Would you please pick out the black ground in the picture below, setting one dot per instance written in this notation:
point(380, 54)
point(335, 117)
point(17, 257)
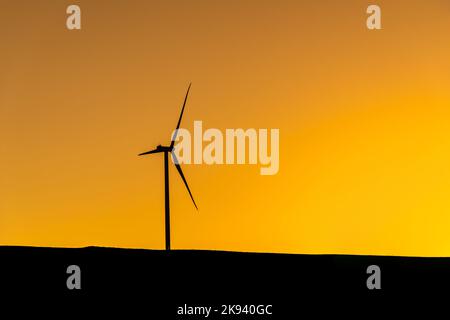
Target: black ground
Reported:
point(158, 282)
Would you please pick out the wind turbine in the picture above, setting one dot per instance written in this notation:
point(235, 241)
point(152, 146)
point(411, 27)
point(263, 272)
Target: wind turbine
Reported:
point(166, 150)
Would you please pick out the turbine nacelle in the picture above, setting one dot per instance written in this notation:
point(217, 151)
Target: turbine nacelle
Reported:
point(158, 149)
point(164, 148)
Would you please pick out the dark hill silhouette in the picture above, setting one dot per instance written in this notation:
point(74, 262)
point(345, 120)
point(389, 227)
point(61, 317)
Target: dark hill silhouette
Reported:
point(167, 279)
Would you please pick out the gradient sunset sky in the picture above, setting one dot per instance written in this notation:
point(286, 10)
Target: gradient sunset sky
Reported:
point(364, 119)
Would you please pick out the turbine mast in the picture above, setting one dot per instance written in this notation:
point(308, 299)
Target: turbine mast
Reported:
point(166, 183)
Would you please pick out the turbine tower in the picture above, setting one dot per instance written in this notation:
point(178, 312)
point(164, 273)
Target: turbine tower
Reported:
point(166, 150)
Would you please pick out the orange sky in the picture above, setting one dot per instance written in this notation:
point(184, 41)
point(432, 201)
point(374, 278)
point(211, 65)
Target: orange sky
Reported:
point(363, 116)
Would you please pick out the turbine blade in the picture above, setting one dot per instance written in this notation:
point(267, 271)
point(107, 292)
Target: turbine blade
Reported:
point(179, 120)
point(177, 165)
point(149, 152)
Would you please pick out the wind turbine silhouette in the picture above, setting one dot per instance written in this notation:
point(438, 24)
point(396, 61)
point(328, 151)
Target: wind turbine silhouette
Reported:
point(166, 151)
